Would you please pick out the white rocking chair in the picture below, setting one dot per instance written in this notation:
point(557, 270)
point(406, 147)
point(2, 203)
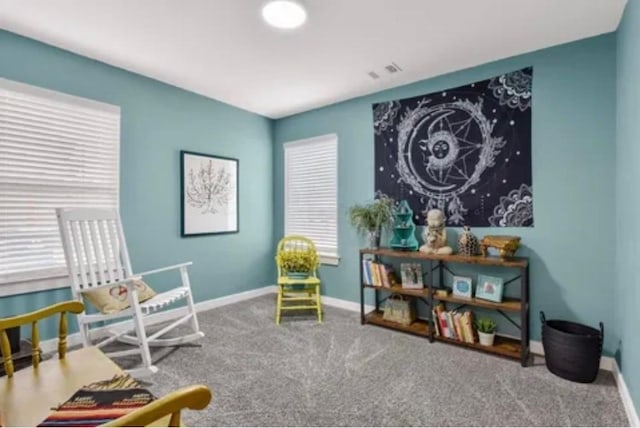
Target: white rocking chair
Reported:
point(96, 255)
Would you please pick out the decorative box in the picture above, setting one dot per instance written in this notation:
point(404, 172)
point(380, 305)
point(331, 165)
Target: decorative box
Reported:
point(506, 245)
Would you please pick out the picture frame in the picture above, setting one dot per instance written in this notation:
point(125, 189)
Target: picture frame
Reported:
point(489, 288)
point(411, 275)
point(462, 287)
point(209, 197)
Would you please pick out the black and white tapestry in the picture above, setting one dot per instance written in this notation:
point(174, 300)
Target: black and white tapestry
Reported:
point(466, 151)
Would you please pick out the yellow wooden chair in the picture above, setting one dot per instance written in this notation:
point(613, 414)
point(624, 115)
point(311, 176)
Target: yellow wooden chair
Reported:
point(304, 293)
point(28, 395)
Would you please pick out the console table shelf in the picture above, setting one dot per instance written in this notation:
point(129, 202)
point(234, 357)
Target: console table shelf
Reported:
point(508, 304)
point(515, 262)
point(418, 327)
point(516, 348)
point(504, 346)
point(416, 292)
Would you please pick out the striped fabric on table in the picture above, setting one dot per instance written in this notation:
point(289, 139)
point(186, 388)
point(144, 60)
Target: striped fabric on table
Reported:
point(99, 403)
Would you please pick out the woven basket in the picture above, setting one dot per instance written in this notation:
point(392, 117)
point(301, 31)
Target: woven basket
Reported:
point(571, 350)
point(400, 310)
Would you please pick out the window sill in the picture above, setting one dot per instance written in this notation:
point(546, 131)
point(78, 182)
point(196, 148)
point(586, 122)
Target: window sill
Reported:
point(33, 285)
point(331, 260)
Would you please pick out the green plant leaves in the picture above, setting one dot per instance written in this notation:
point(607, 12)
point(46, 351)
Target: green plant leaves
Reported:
point(300, 260)
point(374, 216)
point(486, 325)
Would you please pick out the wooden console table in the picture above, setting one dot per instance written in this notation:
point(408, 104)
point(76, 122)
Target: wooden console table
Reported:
point(504, 346)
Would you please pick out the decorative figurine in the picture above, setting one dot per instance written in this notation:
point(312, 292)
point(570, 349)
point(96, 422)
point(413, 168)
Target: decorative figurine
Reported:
point(468, 244)
point(506, 245)
point(435, 234)
point(404, 231)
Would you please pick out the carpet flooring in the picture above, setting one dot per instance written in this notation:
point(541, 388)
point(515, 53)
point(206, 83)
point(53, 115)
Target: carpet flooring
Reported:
point(341, 373)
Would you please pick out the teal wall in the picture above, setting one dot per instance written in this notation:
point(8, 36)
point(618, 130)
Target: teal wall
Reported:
point(571, 246)
point(627, 198)
point(158, 121)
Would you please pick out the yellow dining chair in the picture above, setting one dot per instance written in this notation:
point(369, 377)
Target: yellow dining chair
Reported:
point(302, 289)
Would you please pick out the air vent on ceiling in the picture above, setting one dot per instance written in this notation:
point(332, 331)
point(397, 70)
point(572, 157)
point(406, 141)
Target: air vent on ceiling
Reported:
point(392, 68)
point(373, 75)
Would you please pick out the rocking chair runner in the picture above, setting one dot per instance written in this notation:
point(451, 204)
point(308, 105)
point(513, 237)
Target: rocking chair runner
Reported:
point(96, 255)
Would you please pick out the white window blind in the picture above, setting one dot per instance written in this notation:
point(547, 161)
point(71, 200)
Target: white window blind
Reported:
point(311, 191)
point(56, 150)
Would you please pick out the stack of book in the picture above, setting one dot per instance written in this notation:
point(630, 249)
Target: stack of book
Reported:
point(377, 274)
point(453, 324)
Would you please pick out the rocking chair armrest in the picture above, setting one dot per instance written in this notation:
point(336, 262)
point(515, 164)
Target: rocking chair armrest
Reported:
point(164, 269)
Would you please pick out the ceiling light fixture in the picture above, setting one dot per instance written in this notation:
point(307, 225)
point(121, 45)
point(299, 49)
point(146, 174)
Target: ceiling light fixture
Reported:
point(284, 14)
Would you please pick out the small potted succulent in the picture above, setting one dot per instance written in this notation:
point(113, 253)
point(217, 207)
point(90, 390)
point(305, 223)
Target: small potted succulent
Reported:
point(370, 219)
point(298, 264)
point(486, 331)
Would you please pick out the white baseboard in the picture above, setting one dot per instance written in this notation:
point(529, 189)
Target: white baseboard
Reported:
point(625, 396)
point(345, 304)
point(74, 339)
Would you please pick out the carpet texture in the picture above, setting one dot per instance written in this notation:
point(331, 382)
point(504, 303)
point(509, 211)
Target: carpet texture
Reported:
point(341, 373)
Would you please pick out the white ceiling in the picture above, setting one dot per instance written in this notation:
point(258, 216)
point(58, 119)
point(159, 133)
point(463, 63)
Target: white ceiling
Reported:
point(223, 50)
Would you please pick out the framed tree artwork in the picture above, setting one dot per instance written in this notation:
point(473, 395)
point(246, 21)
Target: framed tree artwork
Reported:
point(209, 194)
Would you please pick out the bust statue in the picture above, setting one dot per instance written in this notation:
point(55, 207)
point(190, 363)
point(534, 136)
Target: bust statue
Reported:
point(435, 234)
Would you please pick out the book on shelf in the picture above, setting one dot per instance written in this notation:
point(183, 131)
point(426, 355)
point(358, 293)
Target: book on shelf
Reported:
point(436, 322)
point(368, 275)
point(366, 278)
point(391, 276)
point(377, 274)
point(458, 326)
point(384, 275)
point(453, 324)
point(467, 327)
point(411, 274)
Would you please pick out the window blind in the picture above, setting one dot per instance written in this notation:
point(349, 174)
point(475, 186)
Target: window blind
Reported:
point(311, 193)
point(56, 150)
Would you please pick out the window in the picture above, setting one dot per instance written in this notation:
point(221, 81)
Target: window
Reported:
point(56, 151)
point(311, 193)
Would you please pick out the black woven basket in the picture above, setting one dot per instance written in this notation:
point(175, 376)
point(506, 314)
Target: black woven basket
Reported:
point(571, 350)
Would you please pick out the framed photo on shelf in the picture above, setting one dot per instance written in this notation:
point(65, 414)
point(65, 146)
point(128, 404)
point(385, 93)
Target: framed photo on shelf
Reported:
point(462, 287)
point(489, 288)
point(411, 275)
point(209, 198)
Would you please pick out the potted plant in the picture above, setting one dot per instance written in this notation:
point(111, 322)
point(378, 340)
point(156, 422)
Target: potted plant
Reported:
point(486, 331)
point(298, 264)
point(370, 219)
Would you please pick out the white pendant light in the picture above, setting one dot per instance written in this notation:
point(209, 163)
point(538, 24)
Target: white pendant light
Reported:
point(284, 14)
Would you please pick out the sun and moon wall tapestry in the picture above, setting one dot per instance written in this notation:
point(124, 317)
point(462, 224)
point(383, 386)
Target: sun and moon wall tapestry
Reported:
point(466, 151)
